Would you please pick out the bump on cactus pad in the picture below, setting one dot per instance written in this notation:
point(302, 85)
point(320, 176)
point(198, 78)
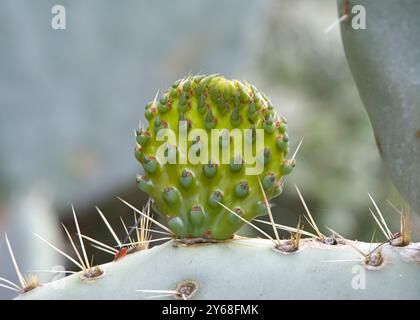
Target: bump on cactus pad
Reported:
point(187, 193)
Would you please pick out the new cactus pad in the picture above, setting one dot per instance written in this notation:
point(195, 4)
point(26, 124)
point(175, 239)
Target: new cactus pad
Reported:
point(242, 131)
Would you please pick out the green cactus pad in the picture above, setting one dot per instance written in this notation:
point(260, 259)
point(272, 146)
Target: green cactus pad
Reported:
point(186, 191)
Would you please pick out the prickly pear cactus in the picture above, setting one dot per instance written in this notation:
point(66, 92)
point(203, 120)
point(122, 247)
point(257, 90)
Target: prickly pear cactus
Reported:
point(207, 202)
point(223, 135)
point(316, 271)
point(384, 61)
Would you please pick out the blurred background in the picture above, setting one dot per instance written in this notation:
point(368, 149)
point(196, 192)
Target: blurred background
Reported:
point(70, 99)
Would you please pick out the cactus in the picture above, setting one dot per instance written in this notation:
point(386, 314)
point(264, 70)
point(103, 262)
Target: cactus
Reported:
point(186, 193)
point(205, 204)
point(222, 271)
point(385, 66)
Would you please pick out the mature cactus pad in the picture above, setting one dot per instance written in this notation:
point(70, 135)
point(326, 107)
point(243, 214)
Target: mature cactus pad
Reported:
point(225, 136)
point(384, 61)
point(315, 271)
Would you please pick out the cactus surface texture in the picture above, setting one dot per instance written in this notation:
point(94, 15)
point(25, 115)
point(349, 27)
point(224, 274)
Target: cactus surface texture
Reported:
point(222, 271)
point(235, 116)
point(384, 61)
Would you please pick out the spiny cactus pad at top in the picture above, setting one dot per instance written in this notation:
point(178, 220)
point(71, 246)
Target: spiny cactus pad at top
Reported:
point(209, 141)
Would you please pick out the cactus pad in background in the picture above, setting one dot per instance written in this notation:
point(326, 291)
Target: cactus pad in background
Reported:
point(187, 193)
point(384, 61)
